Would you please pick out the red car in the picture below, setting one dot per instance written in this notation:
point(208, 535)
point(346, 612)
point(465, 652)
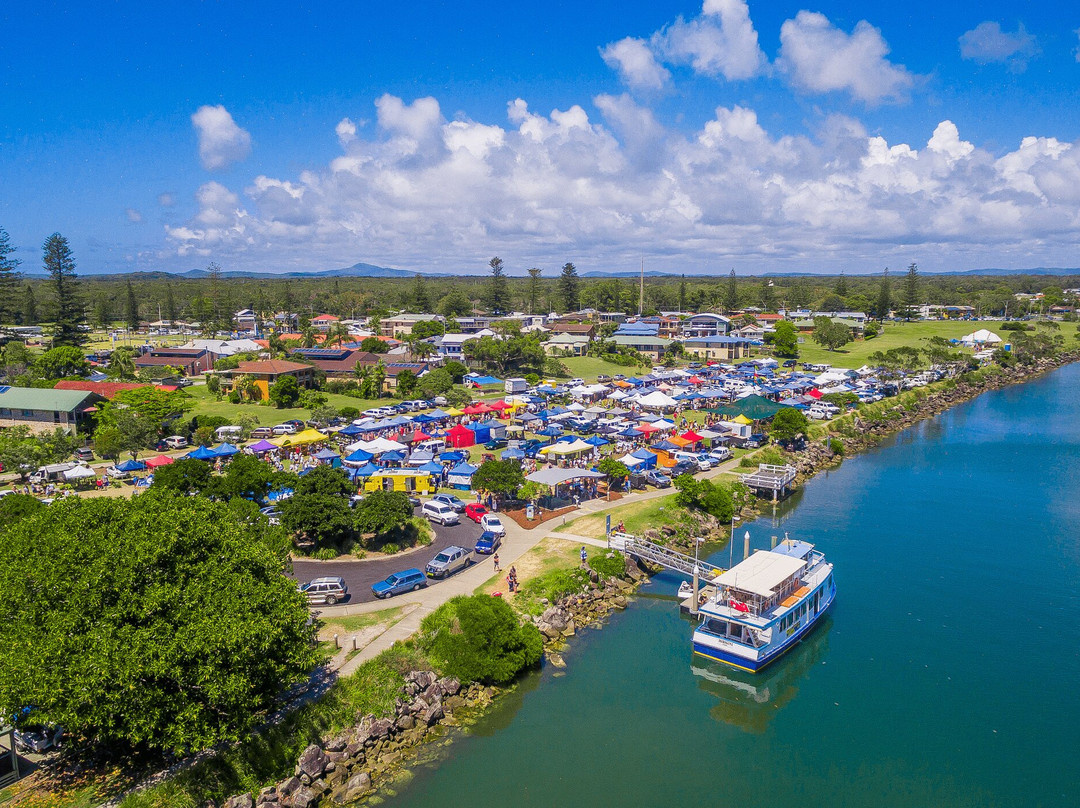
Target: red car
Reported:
point(474, 510)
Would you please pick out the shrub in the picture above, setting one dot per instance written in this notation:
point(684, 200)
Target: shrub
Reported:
point(390, 548)
point(326, 554)
point(478, 639)
point(609, 565)
point(555, 584)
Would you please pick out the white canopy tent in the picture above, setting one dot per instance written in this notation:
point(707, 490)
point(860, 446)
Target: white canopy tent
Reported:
point(980, 337)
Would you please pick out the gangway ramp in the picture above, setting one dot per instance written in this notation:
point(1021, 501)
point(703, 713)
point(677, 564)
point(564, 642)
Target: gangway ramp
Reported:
point(662, 556)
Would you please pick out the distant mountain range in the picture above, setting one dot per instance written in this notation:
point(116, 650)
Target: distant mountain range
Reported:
point(362, 270)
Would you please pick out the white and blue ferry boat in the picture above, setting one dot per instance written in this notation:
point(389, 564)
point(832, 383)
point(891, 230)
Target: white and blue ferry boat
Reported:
point(764, 605)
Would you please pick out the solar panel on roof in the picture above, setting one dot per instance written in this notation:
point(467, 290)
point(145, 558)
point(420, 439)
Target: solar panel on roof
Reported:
point(323, 353)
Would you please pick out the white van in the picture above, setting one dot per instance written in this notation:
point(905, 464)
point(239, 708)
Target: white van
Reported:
point(229, 433)
point(433, 445)
point(822, 411)
point(438, 512)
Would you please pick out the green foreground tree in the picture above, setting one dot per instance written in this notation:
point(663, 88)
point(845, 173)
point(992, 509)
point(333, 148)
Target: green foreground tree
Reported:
point(160, 622)
point(501, 477)
point(68, 314)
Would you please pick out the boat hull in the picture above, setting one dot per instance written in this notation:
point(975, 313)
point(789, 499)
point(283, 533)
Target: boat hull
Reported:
point(752, 665)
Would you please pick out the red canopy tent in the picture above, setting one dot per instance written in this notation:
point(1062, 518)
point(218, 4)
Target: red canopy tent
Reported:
point(696, 380)
point(413, 437)
point(160, 460)
point(500, 405)
point(474, 409)
point(815, 393)
point(692, 436)
point(647, 429)
point(459, 437)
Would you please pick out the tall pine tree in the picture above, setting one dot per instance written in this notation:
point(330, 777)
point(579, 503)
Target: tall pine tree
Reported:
point(170, 304)
point(534, 289)
point(421, 301)
point(911, 291)
point(569, 287)
point(68, 314)
point(884, 296)
point(131, 309)
point(731, 294)
point(29, 312)
point(9, 279)
point(497, 297)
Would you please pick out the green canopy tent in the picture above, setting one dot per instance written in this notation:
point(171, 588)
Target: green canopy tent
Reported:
point(755, 407)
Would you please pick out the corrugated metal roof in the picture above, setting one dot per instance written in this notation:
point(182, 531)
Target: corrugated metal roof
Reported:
point(38, 398)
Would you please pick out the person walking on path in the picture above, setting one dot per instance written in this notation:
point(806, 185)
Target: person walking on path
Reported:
point(495, 558)
point(584, 555)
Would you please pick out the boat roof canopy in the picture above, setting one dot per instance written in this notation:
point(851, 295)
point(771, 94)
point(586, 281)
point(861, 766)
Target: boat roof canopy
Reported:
point(761, 573)
point(794, 548)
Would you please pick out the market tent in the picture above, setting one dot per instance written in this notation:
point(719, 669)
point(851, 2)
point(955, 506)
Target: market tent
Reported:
point(982, 336)
point(266, 446)
point(452, 457)
point(754, 407)
point(649, 458)
point(420, 457)
point(349, 431)
point(475, 409)
point(160, 460)
point(596, 440)
point(481, 432)
point(633, 462)
point(513, 453)
point(415, 436)
point(80, 473)
point(576, 447)
point(460, 436)
point(393, 457)
point(202, 453)
point(454, 412)
point(431, 467)
point(691, 436)
point(741, 419)
point(460, 476)
point(556, 476)
point(367, 471)
point(359, 456)
point(226, 450)
point(326, 454)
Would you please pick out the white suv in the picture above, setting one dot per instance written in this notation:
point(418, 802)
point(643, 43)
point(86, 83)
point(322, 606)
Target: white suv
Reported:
point(440, 512)
point(176, 442)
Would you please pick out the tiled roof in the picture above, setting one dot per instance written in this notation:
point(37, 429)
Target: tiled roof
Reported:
point(106, 389)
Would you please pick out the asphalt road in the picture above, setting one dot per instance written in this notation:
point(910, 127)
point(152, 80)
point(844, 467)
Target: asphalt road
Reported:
point(360, 575)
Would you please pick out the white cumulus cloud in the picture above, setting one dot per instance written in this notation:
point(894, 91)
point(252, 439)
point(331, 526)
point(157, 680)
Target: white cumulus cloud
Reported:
point(133, 215)
point(721, 41)
point(604, 187)
point(346, 131)
point(221, 141)
point(987, 43)
point(821, 58)
point(635, 63)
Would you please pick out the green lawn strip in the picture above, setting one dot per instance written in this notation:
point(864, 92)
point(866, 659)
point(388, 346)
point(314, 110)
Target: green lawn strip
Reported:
point(589, 367)
point(352, 623)
point(893, 335)
point(637, 516)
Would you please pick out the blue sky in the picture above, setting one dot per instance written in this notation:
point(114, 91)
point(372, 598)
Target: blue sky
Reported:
point(761, 136)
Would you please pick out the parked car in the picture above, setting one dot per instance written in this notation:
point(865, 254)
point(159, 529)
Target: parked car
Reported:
point(406, 581)
point(176, 442)
point(619, 377)
point(657, 478)
point(295, 423)
point(638, 480)
point(720, 453)
point(491, 522)
point(488, 543)
point(116, 473)
point(603, 378)
point(37, 738)
point(329, 590)
point(495, 443)
point(532, 446)
point(706, 461)
point(272, 513)
point(448, 561)
point(84, 454)
point(474, 510)
point(693, 459)
point(262, 432)
point(683, 467)
point(440, 512)
point(451, 500)
point(284, 429)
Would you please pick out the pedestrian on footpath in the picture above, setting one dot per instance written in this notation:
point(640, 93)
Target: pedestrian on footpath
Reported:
point(495, 558)
point(584, 555)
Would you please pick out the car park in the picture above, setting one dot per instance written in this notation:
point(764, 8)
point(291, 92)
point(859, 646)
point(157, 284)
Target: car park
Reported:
point(328, 591)
point(447, 562)
point(176, 442)
point(440, 512)
point(657, 478)
point(475, 511)
point(284, 429)
point(491, 522)
point(410, 580)
point(488, 543)
point(451, 500)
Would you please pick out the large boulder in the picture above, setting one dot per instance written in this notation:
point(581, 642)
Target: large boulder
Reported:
point(313, 762)
point(304, 797)
point(450, 686)
point(358, 785)
point(240, 801)
point(381, 728)
point(433, 714)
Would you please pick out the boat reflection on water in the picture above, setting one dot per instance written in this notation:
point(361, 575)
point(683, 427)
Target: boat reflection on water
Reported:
point(750, 700)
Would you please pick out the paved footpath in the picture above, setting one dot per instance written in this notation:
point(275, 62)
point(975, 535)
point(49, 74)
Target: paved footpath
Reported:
point(517, 542)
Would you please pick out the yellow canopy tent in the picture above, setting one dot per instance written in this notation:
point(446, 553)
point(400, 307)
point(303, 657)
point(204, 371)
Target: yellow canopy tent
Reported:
point(741, 419)
point(454, 411)
point(300, 438)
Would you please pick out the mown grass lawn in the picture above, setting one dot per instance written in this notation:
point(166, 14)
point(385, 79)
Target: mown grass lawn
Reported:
point(637, 516)
point(589, 367)
point(893, 335)
point(268, 415)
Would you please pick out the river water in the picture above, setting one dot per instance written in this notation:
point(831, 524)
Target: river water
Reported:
point(947, 674)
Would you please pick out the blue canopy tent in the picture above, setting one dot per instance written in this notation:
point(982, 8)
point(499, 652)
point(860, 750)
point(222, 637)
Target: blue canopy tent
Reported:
point(438, 415)
point(452, 457)
point(329, 456)
point(513, 453)
point(482, 432)
point(552, 431)
point(647, 456)
point(431, 468)
point(226, 450)
point(631, 433)
point(393, 457)
point(359, 456)
point(460, 476)
point(132, 465)
point(423, 418)
point(202, 453)
point(596, 440)
point(350, 430)
point(367, 471)
point(667, 446)
point(482, 380)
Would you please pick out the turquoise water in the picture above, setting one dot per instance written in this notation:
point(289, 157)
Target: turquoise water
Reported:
point(948, 672)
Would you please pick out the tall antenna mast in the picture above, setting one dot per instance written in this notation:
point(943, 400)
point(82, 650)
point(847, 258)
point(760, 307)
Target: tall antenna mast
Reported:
point(641, 290)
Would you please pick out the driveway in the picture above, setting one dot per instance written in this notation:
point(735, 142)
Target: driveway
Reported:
point(360, 575)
